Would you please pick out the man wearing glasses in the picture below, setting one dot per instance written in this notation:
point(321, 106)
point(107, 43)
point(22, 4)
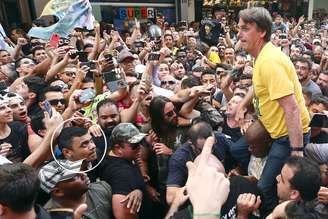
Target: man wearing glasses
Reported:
point(168, 82)
point(68, 75)
point(55, 97)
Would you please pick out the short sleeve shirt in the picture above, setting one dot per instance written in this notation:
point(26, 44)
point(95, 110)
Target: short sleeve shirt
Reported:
point(122, 175)
point(274, 77)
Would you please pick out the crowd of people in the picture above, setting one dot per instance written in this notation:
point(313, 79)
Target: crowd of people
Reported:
point(167, 120)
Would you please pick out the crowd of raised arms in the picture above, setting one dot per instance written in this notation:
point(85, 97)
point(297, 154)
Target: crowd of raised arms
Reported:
point(227, 118)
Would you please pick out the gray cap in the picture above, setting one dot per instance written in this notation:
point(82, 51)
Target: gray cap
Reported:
point(126, 133)
point(52, 173)
point(124, 54)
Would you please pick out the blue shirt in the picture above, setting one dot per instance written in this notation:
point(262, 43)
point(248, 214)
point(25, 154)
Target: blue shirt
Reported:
point(178, 172)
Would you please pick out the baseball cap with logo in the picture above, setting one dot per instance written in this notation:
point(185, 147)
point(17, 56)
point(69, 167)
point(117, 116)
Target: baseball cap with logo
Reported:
point(127, 133)
point(52, 173)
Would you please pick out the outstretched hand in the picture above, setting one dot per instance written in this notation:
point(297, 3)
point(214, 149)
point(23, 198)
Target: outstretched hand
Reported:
point(204, 181)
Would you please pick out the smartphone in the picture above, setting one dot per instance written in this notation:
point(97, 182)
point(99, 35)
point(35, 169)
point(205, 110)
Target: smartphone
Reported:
point(54, 40)
point(3, 85)
point(61, 213)
point(109, 28)
point(48, 108)
point(87, 95)
point(153, 57)
point(119, 48)
point(139, 44)
point(73, 55)
point(92, 66)
point(83, 57)
point(319, 120)
point(114, 79)
point(282, 36)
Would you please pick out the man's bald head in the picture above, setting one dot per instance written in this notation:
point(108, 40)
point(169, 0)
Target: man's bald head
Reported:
point(258, 139)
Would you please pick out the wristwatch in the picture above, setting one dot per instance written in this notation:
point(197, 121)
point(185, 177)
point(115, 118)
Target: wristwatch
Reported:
point(297, 148)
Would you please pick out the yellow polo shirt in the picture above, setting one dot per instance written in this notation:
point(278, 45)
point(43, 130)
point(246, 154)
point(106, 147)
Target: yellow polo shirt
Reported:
point(274, 77)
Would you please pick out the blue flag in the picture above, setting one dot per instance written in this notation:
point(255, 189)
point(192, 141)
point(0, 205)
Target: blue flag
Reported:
point(78, 14)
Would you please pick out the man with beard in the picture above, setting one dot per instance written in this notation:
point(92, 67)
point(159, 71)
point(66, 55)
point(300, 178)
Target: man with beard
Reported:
point(69, 188)
point(303, 70)
point(165, 138)
point(109, 116)
point(322, 81)
point(178, 70)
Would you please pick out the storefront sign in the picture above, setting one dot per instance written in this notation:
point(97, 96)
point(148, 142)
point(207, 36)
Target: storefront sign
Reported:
point(139, 13)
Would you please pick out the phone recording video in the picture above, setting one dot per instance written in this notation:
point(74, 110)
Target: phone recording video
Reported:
point(48, 108)
point(153, 56)
point(114, 79)
point(87, 95)
point(282, 36)
point(83, 57)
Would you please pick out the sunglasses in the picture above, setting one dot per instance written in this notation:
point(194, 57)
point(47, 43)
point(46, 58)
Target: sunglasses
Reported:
point(170, 114)
point(55, 102)
point(168, 82)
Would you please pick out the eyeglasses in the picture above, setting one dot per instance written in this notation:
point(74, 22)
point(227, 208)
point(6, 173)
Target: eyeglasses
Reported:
point(168, 82)
point(55, 102)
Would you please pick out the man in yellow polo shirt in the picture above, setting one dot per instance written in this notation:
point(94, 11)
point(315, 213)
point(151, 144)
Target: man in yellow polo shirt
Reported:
point(277, 98)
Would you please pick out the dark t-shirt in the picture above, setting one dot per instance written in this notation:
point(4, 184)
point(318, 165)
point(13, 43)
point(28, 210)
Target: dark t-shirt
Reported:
point(18, 138)
point(234, 133)
point(238, 185)
point(41, 213)
point(34, 109)
point(178, 172)
point(100, 142)
point(122, 175)
point(320, 139)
